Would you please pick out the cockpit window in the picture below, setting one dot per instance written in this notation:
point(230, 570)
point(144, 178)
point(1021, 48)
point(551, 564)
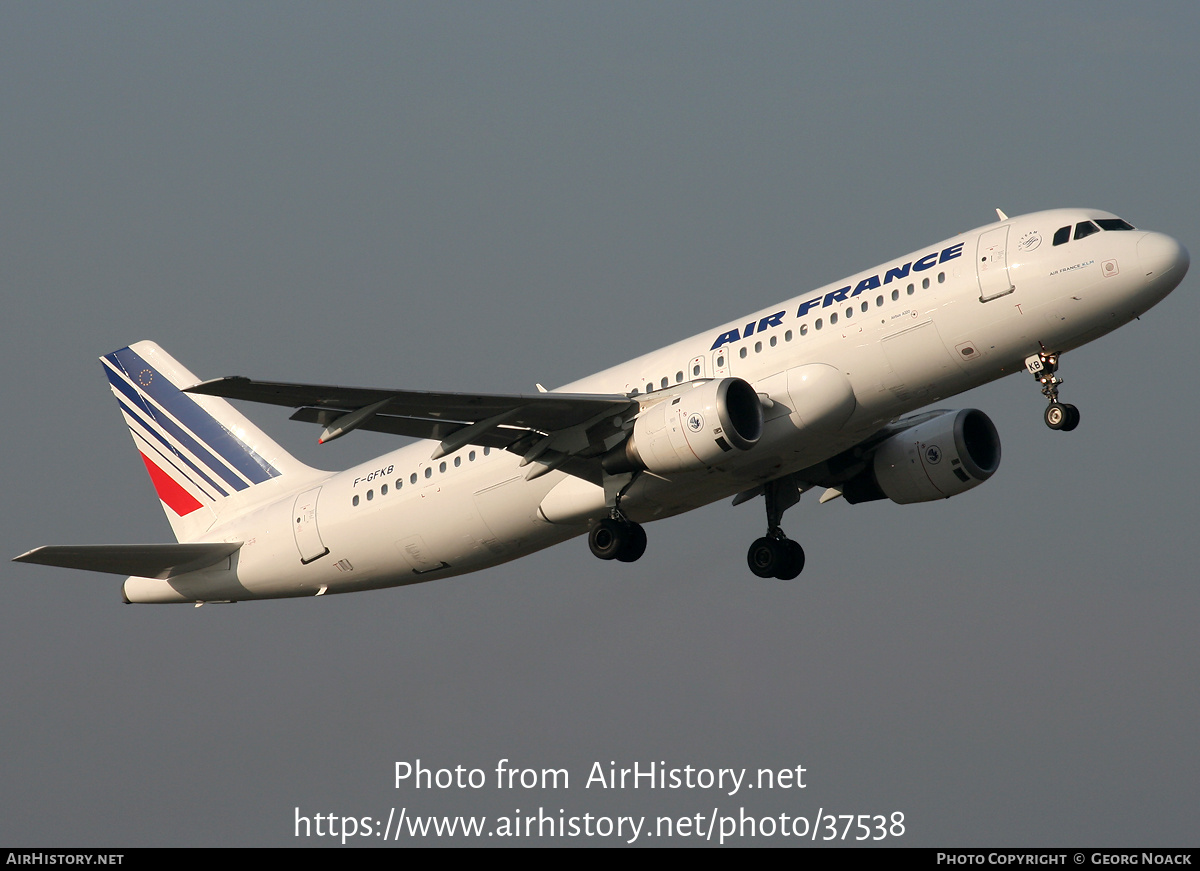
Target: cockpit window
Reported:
point(1084, 229)
point(1113, 224)
point(1062, 235)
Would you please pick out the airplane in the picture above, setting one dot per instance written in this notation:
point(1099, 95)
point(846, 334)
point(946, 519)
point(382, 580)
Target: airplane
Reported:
point(822, 391)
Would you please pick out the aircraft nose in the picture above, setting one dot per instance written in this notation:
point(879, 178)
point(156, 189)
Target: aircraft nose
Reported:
point(1159, 255)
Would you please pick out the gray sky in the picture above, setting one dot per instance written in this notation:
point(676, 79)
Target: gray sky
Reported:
point(482, 196)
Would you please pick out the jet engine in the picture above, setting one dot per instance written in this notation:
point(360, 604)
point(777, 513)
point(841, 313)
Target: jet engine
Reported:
point(693, 430)
point(937, 459)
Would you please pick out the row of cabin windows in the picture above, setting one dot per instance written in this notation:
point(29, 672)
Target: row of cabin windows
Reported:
point(412, 479)
point(1086, 228)
point(743, 352)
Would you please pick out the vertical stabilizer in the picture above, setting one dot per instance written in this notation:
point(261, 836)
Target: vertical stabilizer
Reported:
point(204, 458)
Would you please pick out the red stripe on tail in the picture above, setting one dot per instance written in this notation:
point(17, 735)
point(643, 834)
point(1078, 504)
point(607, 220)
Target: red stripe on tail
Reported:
point(173, 496)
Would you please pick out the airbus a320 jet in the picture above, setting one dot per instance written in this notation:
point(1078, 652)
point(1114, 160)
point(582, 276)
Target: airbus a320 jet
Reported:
point(821, 392)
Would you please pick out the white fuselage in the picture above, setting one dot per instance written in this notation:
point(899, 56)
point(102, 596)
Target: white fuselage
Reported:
point(948, 317)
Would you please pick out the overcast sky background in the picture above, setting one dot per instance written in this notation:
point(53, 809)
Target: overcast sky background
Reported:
point(478, 197)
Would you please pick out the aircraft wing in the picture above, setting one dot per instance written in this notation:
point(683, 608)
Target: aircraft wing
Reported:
point(550, 428)
point(160, 561)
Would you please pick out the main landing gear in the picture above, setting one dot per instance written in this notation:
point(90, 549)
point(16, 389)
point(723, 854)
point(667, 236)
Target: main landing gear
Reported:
point(775, 555)
point(617, 538)
point(1059, 415)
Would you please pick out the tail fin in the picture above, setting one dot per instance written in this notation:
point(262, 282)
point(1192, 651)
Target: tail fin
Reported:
point(203, 456)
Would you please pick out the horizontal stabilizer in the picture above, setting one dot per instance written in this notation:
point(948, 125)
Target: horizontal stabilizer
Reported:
point(159, 561)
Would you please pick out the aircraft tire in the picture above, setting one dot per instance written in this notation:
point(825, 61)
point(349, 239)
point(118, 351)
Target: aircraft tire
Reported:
point(1072, 418)
point(607, 538)
point(635, 543)
point(1057, 416)
point(794, 564)
point(765, 557)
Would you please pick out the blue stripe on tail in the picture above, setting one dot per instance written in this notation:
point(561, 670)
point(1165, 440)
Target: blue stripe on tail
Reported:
point(204, 435)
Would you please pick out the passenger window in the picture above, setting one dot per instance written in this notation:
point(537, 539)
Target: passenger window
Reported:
point(457, 462)
point(429, 471)
point(758, 347)
point(787, 337)
point(924, 285)
point(866, 305)
point(399, 483)
point(678, 377)
point(1084, 229)
point(1062, 235)
point(804, 329)
point(774, 341)
point(695, 371)
point(895, 295)
point(818, 324)
point(665, 382)
point(370, 495)
point(833, 319)
point(412, 479)
point(879, 300)
point(941, 278)
point(356, 501)
point(471, 457)
point(383, 490)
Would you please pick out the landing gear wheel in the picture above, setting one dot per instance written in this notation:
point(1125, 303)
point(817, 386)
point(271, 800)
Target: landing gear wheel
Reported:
point(779, 558)
point(795, 561)
point(635, 544)
point(765, 557)
point(1057, 416)
point(1072, 418)
point(616, 539)
point(607, 538)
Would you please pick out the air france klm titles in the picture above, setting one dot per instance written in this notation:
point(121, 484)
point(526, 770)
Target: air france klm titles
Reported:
point(871, 282)
point(656, 775)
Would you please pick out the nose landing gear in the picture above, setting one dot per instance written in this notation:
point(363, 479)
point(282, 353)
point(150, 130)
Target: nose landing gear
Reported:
point(1059, 415)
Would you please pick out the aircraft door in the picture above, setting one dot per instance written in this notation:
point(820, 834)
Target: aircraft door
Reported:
point(308, 537)
point(721, 362)
point(992, 262)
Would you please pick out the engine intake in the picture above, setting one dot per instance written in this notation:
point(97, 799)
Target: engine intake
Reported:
point(692, 431)
point(945, 456)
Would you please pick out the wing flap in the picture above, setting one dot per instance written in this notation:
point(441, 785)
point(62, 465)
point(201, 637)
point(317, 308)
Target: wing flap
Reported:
point(159, 561)
point(416, 427)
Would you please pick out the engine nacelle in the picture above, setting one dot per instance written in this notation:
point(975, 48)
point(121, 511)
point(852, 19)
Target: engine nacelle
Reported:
point(693, 430)
point(937, 459)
